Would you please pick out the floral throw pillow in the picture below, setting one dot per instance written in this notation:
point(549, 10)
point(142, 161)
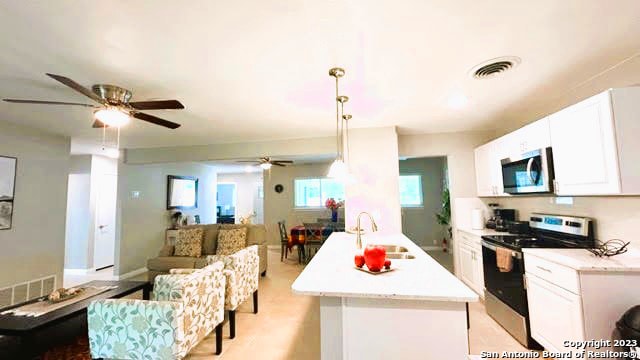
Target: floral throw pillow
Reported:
point(189, 242)
point(231, 240)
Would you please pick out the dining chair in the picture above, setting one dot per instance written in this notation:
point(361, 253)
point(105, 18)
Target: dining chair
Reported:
point(284, 240)
point(313, 239)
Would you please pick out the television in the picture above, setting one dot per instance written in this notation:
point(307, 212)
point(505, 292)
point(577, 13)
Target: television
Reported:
point(182, 192)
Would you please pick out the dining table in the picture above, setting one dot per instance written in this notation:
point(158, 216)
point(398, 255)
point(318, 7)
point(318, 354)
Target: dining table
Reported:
point(298, 233)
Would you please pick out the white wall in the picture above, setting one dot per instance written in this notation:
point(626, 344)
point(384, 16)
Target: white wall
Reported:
point(419, 223)
point(247, 200)
point(373, 161)
point(34, 246)
point(79, 213)
point(143, 220)
point(280, 206)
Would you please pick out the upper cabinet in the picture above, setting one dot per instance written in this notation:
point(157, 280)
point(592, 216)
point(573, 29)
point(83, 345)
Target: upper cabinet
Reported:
point(594, 144)
point(488, 169)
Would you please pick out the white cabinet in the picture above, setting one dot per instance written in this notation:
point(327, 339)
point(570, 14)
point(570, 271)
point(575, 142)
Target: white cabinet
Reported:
point(528, 138)
point(470, 261)
point(488, 169)
point(555, 314)
point(584, 148)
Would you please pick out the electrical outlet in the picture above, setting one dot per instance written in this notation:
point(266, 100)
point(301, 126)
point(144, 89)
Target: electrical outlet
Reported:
point(135, 194)
point(435, 242)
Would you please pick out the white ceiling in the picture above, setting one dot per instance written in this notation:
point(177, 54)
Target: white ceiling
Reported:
point(257, 70)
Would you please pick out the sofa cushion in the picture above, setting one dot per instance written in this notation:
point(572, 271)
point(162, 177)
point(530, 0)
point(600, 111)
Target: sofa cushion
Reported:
point(166, 263)
point(231, 240)
point(189, 242)
point(256, 234)
point(210, 241)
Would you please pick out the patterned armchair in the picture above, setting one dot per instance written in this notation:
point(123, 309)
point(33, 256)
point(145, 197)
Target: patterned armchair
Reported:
point(185, 308)
point(242, 271)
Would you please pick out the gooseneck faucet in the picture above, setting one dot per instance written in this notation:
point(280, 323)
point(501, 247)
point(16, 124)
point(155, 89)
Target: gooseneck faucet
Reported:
point(374, 228)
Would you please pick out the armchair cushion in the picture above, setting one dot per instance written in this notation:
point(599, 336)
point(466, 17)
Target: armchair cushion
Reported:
point(135, 329)
point(189, 242)
point(231, 241)
point(242, 273)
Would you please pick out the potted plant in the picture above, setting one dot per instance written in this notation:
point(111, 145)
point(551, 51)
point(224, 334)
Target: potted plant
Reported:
point(333, 205)
point(444, 217)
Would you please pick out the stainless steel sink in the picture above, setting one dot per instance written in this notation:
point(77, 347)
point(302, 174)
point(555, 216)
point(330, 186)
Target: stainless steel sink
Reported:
point(394, 249)
point(400, 255)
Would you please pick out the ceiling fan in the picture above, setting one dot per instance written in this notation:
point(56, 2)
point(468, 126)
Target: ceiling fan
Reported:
point(114, 107)
point(266, 162)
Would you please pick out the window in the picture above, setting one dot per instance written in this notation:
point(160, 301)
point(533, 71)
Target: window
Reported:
point(411, 190)
point(313, 192)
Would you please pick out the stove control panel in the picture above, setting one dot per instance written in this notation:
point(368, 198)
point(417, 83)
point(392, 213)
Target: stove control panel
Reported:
point(563, 224)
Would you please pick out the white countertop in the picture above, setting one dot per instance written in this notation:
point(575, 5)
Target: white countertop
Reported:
point(482, 232)
point(332, 272)
point(583, 260)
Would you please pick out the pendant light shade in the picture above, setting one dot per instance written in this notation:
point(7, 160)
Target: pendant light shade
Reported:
point(338, 169)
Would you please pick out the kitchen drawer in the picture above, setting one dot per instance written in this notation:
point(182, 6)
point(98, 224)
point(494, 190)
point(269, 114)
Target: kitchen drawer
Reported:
point(556, 274)
point(470, 240)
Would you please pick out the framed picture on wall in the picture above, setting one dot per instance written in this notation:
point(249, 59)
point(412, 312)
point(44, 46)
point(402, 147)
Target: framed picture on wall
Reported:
point(7, 190)
point(182, 192)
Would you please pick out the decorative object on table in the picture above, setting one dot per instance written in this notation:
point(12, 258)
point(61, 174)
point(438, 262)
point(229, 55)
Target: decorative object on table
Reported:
point(196, 218)
point(339, 169)
point(359, 260)
point(333, 205)
point(278, 188)
point(63, 294)
point(246, 220)
point(182, 192)
point(369, 271)
point(176, 220)
point(609, 248)
point(444, 217)
point(374, 257)
point(7, 190)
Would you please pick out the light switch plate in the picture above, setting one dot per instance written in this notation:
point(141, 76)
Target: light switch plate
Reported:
point(135, 194)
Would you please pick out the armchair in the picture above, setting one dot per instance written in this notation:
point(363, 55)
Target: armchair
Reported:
point(184, 309)
point(241, 270)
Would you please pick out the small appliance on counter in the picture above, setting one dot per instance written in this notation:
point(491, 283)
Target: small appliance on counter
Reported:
point(500, 217)
point(518, 227)
point(477, 219)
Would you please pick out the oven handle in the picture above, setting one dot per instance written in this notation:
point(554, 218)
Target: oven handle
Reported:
point(515, 254)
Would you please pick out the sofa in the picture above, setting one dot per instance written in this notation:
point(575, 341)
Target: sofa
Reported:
point(256, 235)
point(184, 309)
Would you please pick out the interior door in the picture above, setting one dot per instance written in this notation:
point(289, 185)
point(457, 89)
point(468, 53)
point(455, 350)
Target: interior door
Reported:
point(105, 236)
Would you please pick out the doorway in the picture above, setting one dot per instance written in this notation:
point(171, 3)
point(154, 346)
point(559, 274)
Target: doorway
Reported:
point(424, 185)
point(226, 203)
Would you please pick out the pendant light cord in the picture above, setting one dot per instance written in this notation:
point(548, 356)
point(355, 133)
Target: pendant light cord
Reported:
point(338, 152)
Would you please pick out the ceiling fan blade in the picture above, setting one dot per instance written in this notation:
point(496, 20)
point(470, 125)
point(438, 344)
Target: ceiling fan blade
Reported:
point(248, 161)
point(43, 102)
point(156, 105)
point(155, 120)
point(77, 87)
point(283, 161)
point(277, 164)
point(99, 124)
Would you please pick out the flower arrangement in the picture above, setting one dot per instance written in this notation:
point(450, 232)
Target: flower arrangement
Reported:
point(332, 204)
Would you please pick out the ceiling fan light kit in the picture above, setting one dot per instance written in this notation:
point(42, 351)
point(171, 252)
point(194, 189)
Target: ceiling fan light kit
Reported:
point(339, 169)
point(112, 117)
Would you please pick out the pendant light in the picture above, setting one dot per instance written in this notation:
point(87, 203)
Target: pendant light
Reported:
point(338, 169)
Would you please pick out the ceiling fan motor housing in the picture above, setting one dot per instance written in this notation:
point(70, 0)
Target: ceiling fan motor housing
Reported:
point(112, 94)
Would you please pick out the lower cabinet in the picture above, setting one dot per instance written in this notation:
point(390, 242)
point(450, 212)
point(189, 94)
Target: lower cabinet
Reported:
point(555, 314)
point(470, 261)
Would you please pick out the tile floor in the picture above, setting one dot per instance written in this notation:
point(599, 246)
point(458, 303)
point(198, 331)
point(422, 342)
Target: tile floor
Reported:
point(71, 280)
point(288, 325)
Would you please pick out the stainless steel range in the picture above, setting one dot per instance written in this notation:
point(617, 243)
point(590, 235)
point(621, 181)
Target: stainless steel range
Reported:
point(505, 291)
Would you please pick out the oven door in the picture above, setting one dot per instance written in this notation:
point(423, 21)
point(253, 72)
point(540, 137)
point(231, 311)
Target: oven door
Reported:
point(506, 286)
point(530, 173)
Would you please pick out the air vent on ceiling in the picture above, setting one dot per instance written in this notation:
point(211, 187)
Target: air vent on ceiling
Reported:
point(494, 67)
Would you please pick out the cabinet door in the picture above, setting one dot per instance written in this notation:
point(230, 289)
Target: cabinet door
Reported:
point(584, 148)
point(497, 153)
point(478, 271)
point(467, 267)
point(484, 184)
point(555, 314)
point(535, 136)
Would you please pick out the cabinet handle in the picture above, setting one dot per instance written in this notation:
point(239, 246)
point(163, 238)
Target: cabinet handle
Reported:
point(543, 269)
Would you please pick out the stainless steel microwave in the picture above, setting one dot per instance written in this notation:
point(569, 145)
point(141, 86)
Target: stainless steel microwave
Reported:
point(531, 172)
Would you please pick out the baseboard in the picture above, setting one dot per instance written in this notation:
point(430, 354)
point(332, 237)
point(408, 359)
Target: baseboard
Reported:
point(431, 248)
point(131, 274)
point(79, 271)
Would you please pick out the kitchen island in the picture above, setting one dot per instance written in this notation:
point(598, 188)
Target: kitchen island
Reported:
point(417, 311)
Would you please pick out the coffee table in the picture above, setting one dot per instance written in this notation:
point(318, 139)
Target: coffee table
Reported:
point(38, 334)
